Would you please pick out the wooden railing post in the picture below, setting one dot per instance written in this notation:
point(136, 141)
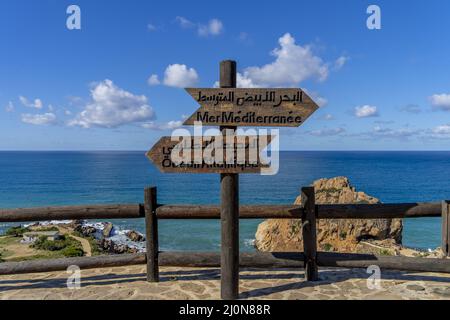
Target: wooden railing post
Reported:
point(151, 234)
point(446, 227)
point(309, 233)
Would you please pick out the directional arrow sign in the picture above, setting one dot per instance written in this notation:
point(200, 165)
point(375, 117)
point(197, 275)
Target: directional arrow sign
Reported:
point(237, 154)
point(251, 107)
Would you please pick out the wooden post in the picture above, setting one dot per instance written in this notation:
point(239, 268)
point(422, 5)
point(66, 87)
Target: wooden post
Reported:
point(309, 233)
point(229, 209)
point(151, 234)
point(446, 227)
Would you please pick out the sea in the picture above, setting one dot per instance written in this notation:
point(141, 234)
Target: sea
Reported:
point(36, 179)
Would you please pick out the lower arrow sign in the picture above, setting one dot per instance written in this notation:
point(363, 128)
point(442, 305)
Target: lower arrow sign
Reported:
point(211, 154)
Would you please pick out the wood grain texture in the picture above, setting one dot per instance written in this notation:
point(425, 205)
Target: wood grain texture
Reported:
point(229, 208)
point(244, 156)
point(104, 261)
point(213, 212)
point(378, 211)
point(130, 211)
point(79, 212)
point(309, 233)
point(296, 260)
point(151, 234)
point(247, 260)
point(251, 107)
point(446, 227)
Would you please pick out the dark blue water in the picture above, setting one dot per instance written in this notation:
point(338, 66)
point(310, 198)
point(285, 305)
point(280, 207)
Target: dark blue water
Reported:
point(29, 179)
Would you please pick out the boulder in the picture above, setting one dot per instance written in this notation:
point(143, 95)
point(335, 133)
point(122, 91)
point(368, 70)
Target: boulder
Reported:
point(135, 236)
point(107, 229)
point(85, 230)
point(109, 246)
point(341, 235)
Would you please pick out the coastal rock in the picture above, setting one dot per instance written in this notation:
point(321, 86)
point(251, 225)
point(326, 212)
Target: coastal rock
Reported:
point(86, 230)
point(107, 229)
point(342, 235)
point(135, 236)
point(112, 247)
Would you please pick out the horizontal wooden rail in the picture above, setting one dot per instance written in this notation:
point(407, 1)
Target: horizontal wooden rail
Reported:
point(246, 260)
point(213, 212)
point(334, 211)
point(130, 211)
point(378, 211)
point(110, 211)
point(49, 265)
point(296, 260)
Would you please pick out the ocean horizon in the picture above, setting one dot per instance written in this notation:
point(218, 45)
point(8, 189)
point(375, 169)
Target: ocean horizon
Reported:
point(53, 178)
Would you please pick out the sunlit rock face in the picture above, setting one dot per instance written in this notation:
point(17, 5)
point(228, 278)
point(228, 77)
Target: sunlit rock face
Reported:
point(340, 235)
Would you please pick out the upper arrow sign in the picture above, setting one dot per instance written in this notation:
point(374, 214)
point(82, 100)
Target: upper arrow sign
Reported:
point(251, 107)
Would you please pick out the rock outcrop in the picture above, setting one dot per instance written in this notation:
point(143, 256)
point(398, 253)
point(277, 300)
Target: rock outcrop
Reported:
point(332, 234)
point(135, 236)
point(85, 230)
point(108, 228)
point(112, 247)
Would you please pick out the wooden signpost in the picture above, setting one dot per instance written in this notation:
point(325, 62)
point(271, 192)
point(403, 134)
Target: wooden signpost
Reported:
point(229, 107)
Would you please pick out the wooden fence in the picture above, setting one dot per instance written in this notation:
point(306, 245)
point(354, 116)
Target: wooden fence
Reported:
point(309, 212)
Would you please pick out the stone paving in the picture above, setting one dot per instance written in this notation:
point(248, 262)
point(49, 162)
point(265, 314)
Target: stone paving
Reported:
point(204, 283)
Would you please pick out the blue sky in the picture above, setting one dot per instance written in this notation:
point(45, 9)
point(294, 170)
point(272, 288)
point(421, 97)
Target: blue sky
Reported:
point(116, 84)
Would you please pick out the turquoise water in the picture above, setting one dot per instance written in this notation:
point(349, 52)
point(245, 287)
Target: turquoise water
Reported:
point(29, 179)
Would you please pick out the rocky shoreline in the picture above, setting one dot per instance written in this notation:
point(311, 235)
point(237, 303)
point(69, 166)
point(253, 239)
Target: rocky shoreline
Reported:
point(108, 238)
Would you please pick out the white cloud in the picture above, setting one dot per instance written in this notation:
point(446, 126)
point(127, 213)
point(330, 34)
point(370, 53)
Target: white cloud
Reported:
point(411, 108)
point(242, 82)
point(37, 103)
point(440, 101)
point(442, 130)
point(321, 101)
point(327, 132)
point(340, 62)
point(151, 27)
point(366, 111)
point(111, 106)
point(213, 28)
point(399, 133)
point(293, 64)
point(439, 132)
point(327, 117)
point(39, 119)
point(406, 132)
point(184, 23)
point(243, 36)
point(171, 125)
point(75, 101)
point(9, 107)
point(153, 80)
point(180, 76)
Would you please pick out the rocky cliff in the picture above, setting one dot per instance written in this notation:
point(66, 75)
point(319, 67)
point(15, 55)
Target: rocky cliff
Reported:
point(332, 234)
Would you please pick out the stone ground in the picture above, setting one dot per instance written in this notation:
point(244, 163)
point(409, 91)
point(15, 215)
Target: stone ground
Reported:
point(191, 283)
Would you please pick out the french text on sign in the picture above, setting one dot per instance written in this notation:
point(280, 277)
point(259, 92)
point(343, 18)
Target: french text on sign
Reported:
point(251, 107)
point(215, 154)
